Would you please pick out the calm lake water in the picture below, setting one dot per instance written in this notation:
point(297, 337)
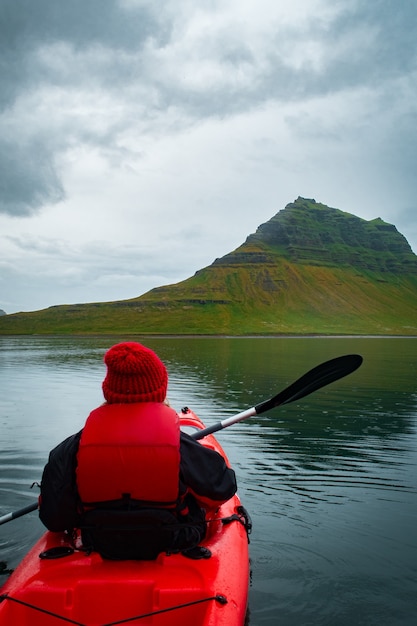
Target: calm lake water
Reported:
point(330, 481)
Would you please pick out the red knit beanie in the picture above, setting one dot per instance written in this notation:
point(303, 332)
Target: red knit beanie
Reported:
point(134, 374)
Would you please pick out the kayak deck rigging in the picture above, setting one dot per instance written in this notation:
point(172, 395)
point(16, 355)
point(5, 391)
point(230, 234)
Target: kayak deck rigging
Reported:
point(218, 598)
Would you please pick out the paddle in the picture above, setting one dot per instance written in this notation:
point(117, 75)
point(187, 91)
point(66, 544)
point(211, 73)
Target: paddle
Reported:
point(318, 377)
point(27, 509)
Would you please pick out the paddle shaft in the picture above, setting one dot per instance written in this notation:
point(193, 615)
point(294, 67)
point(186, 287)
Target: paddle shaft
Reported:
point(10, 516)
point(318, 377)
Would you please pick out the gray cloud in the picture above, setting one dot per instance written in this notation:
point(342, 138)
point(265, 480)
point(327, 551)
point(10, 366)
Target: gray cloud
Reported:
point(28, 178)
point(43, 46)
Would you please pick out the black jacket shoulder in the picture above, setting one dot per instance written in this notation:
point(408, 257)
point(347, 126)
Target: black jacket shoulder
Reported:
point(59, 504)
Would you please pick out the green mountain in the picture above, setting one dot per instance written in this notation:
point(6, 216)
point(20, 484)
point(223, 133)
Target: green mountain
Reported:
point(311, 269)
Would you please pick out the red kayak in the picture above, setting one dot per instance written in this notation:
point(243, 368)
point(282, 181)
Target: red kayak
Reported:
point(66, 585)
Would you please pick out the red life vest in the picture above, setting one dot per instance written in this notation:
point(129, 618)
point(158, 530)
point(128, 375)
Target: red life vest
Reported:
point(130, 451)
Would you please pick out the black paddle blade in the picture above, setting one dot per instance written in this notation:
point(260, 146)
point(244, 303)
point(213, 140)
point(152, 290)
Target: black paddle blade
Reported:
point(318, 377)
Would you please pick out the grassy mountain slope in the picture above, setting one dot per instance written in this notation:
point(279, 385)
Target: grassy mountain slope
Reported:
point(310, 269)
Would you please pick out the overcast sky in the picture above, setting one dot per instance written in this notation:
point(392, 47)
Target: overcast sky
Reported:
point(140, 140)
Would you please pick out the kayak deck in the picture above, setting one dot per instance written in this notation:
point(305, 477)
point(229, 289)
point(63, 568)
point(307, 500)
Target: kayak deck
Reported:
point(84, 589)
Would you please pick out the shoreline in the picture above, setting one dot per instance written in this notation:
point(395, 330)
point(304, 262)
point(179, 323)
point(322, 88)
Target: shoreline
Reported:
point(207, 336)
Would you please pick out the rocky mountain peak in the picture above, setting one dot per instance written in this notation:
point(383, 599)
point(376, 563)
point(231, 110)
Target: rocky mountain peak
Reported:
point(306, 231)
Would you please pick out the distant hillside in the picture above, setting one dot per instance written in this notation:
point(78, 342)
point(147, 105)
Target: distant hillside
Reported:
point(311, 269)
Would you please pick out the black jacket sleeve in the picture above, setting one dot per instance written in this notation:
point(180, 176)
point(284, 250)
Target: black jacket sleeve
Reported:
point(59, 501)
point(205, 472)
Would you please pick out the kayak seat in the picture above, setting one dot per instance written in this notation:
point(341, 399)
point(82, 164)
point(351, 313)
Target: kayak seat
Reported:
point(139, 534)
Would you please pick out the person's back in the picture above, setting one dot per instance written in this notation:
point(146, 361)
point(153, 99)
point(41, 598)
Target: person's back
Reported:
point(130, 480)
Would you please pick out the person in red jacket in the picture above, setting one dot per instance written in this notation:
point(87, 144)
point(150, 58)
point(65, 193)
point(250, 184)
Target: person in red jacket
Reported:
point(130, 480)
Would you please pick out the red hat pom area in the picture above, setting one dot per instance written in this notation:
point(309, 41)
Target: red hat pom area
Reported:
point(134, 374)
